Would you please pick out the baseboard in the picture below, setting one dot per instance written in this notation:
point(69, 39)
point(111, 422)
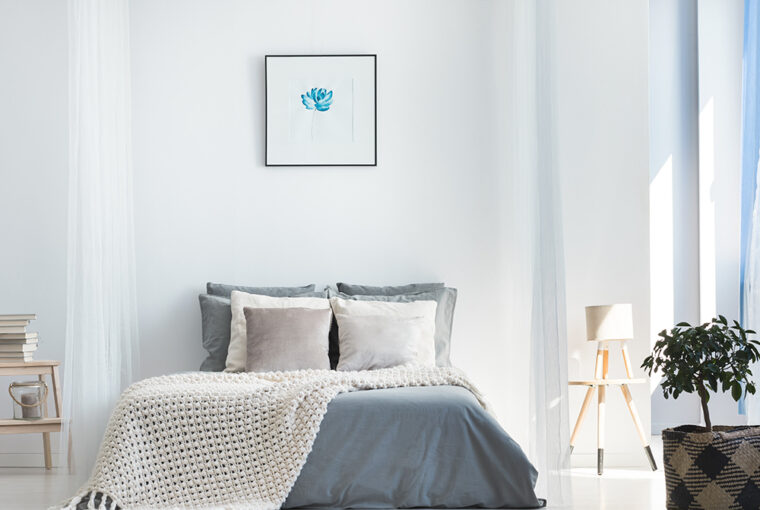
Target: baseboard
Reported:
point(27, 459)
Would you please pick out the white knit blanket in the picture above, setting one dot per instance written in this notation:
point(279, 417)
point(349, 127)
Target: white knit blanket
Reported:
point(224, 441)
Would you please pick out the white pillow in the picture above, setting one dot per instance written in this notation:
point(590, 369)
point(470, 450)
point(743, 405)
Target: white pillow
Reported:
point(422, 309)
point(237, 353)
point(369, 342)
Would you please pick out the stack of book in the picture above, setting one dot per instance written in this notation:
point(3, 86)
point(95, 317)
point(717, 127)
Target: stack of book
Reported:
point(16, 344)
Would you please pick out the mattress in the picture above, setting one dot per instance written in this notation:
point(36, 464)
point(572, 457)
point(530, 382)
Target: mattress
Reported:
point(413, 447)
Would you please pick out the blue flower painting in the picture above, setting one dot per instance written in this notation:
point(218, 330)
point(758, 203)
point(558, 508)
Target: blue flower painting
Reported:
point(317, 99)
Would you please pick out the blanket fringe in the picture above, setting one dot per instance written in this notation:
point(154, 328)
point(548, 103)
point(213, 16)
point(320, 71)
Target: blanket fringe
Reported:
point(90, 500)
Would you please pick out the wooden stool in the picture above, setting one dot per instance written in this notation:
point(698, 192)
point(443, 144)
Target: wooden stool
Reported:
point(601, 381)
point(42, 425)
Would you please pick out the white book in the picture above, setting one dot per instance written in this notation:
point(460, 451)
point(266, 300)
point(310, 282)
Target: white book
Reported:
point(8, 349)
point(13, 326)
point(17, 336)
point(18, 317)
point(18, 341)
point(16, 354)
point(16, 359)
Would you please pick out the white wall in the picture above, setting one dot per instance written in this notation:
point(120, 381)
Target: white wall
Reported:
point(695, 168)
point(603, 161)
point(673, 188)
point(720, 33)
point(208, 209)
point(33, 166)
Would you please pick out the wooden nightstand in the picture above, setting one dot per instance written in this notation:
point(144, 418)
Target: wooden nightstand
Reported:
point(44, 425)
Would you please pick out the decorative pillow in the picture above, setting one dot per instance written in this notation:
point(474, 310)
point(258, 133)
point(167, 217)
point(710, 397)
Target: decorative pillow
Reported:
point(236, 355)
point(224, 290)
point(370, 290)
point(215, 320)
point(417, 309)
point(369, 342)
point(286, 339)
point(215, 323)
point(444, 317)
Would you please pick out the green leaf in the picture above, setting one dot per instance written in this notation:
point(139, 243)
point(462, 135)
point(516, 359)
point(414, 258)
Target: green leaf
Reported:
point(736, 391)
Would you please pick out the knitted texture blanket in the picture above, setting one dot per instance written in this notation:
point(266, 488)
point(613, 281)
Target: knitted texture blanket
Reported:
point(224, 441)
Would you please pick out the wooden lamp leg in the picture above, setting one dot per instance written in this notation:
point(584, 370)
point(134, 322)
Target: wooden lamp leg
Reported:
point(632, 407)
point(626, 360)
point(637, 423)
point(581, 416)
point(599, 365)
point(601, 408)
point(589, 393)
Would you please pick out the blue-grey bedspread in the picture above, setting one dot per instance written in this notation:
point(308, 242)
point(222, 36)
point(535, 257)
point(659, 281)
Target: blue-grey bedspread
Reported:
point(413, 447)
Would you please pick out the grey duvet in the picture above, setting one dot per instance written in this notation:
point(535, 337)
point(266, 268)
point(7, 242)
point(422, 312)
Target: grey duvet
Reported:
point(413, 447)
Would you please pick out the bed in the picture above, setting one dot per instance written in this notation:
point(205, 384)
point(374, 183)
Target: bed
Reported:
point(295, 425)
point(396, 437)
point(413, 447)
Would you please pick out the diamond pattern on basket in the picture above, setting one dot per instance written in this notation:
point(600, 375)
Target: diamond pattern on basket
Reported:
point(681, 461)
point(747, 457)
point(711, 461)
point(713, 496)
point(749, 497)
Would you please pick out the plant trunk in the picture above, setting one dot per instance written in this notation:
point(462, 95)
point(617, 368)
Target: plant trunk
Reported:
point(705, 411)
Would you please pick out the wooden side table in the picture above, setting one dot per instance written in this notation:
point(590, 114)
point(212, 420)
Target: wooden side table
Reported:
point(601, 382)
point(44, 425)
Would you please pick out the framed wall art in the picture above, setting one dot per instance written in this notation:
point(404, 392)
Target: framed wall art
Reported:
point(321, 110)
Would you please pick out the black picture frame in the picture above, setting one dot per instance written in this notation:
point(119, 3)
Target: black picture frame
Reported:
point(373, 56)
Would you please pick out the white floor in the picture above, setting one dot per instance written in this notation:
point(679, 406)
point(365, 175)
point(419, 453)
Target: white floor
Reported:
point(617, 489)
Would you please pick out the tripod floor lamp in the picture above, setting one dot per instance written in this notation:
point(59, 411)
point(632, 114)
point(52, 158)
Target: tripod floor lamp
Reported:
point(604, 325)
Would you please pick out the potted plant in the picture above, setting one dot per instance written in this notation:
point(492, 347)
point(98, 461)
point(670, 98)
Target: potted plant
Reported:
point(712, 466)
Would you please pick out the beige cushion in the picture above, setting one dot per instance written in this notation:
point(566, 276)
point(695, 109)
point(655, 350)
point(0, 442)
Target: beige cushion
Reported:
point(369, 342)
point(417, 309)
point(287, 339)
point(236, 355)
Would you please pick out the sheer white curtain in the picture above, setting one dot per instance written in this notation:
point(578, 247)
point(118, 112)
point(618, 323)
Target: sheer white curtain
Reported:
point(101, 320)
point(533, 252)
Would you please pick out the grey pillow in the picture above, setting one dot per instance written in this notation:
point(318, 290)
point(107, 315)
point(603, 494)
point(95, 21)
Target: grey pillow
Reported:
point(216, 317)
point(444, 318)
point(370, 290)
point(225, 290)
point(287, 339)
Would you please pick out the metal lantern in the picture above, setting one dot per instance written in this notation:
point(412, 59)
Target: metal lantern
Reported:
point(29, 397)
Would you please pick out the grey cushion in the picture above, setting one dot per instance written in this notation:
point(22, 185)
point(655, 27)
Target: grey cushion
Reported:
point(215, 317)
point(225, 290)
point(444, 318)
point(287, 339)
point(370, 290)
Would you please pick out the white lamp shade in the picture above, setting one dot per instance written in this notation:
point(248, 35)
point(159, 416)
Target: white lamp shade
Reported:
point(609, 322)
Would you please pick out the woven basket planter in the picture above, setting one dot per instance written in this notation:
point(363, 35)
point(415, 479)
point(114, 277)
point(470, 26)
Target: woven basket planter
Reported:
point(712, 470)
